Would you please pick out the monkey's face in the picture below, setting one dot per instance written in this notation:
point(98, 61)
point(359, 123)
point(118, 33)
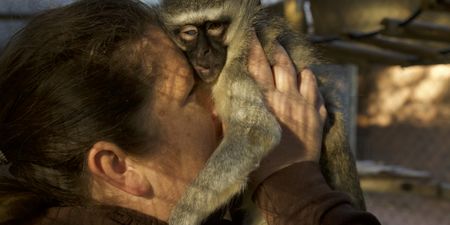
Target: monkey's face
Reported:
point(204, 45)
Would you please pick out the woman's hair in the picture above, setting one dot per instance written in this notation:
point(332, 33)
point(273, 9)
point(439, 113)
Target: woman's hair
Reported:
point(73, 76)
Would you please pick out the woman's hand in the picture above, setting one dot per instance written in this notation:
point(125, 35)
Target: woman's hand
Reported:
point(295, 100)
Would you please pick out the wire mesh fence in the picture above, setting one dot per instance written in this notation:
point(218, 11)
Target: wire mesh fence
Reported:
point(404, 120)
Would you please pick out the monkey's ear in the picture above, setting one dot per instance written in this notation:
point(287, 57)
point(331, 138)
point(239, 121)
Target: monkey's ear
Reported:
point(109, 163)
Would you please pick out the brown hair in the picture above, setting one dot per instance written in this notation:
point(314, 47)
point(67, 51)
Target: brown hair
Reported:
point(67, 80)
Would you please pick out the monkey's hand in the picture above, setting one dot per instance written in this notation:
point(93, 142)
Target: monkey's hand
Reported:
point(295, 100)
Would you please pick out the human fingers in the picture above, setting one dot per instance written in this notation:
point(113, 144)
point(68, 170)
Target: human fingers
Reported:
point(259, 66)
point(323, 113)
point(308, 87)
point(310, 91)
point(284, 70)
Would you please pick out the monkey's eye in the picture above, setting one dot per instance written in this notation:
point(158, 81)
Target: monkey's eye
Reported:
point(189, 33)
point(215, 29)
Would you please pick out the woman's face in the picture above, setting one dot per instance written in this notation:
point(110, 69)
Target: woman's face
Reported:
point(182, 107)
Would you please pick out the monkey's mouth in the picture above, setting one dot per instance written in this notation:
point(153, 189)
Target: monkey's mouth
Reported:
point(206, 74)
point(202, 70)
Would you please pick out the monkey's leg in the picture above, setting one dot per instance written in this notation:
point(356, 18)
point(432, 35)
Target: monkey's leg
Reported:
point(337, 162)
point(251, 132)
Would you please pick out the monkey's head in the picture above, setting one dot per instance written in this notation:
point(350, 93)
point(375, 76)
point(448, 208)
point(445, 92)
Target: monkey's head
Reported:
point(203, 43)
point(204, 29)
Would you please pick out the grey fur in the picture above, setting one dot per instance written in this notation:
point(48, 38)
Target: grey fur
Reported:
point(252, 131)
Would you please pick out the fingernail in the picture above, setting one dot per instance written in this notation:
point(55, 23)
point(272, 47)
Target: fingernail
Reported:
point(305, 74)
point(309, 74)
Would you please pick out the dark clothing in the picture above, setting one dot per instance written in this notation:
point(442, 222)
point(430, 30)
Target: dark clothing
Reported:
point(95, 215)
point(295, 195)
point(299, 195)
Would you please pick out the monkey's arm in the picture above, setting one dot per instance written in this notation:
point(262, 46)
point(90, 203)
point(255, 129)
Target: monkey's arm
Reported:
point(252, 131)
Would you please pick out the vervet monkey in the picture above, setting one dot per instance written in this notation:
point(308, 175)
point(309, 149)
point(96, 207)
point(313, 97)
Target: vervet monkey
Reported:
point(215, 35)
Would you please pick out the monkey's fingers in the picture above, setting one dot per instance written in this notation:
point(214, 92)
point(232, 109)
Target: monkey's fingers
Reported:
point(259, 66)
point(284, 70)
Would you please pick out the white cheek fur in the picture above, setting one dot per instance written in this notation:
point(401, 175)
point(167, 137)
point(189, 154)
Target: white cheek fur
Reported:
point(195, 16)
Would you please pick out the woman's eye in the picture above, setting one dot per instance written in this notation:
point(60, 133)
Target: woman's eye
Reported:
point(189, 33)
point(216, 29)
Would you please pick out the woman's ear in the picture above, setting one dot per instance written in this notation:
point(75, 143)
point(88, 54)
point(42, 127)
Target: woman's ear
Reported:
point(109, 163)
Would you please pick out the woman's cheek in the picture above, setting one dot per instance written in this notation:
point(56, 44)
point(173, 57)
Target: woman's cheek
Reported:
point(208, 135)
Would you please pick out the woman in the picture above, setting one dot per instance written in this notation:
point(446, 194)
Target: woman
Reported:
point(104, 122)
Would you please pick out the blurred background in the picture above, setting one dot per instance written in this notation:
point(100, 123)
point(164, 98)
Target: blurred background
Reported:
point(396, 57)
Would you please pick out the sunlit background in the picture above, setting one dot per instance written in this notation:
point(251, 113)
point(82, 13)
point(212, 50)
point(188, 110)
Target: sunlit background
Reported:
point(396, 58)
